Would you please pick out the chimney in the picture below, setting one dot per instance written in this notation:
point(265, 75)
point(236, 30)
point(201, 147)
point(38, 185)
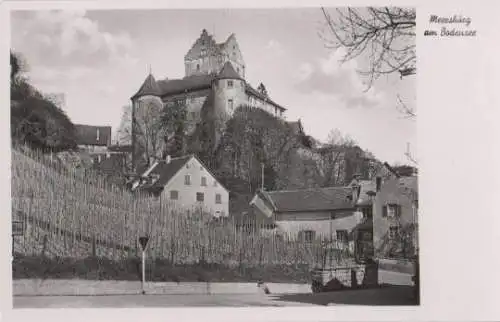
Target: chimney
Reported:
point(167, 159)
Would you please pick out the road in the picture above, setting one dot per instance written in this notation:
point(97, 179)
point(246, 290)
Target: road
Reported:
point(399, 295)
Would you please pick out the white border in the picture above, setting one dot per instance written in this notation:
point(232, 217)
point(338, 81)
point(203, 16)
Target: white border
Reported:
point(458, 104)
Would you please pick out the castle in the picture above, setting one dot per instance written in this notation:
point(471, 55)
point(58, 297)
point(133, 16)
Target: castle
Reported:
point(214, 76)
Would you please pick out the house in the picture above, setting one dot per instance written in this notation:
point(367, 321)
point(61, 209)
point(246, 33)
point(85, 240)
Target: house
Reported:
point(329, 214)
point(395, 219)
point(96, 142)
point(185, 183)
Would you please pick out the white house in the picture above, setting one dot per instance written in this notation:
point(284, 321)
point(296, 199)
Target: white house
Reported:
point(186, 183)
point(325, 213)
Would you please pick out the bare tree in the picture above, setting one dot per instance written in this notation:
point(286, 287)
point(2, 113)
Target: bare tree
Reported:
point(386, 35)
point(149, 130)
point(123, 135)
point(332, 162)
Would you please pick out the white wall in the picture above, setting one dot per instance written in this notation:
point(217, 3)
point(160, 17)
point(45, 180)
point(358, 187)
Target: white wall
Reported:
point(187, 193)
point(293, 223)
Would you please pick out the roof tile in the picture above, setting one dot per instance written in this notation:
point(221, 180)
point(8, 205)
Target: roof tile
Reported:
point(93, 135)
point(332, 198)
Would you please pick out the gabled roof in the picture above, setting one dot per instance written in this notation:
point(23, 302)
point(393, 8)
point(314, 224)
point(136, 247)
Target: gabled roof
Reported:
point(166, 171)
point(319, 199)
point(149, 87)
point(252, 91)
point(87, 135)
point(186, 84)
point(228, 72)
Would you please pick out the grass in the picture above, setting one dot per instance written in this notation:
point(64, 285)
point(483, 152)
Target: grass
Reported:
point(95, 268)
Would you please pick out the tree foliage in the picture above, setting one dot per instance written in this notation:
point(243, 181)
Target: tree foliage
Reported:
point(35, 119)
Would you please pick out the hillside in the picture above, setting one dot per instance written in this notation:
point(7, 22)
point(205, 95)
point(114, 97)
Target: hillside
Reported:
point(253, 139)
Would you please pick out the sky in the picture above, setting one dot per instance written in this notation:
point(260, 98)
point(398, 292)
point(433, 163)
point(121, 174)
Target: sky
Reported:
point(99, 59)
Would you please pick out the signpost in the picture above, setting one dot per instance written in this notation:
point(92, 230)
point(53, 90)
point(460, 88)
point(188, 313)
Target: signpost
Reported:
point(17, 230)
point(143, 240)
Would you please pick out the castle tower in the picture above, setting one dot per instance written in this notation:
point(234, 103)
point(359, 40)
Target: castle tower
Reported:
point(206, 56)
point(146, 105)
point(229, 90)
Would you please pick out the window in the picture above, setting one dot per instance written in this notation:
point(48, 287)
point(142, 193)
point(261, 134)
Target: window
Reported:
point(367, 212)
point(215, 183)
point(307, 235)
point(393, 232)
point(392, 210)
point(230, 104)
point(203, 51)
point(198, 67)
point(187, 180)
point(97, 135)
point(230, 83)
point(174, 194)
point(200, 196)
point(218, 198)
point(342, 236)
point(203, 181)
point(193, 115)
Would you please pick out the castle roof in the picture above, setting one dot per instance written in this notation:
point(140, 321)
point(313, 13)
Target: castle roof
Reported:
point(149, 87)
point(206, 41)
point(252, 91)
point(228, 72)
point(186, 84)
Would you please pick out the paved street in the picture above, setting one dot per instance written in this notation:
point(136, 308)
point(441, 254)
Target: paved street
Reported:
point(397, 295)
point(131, 301)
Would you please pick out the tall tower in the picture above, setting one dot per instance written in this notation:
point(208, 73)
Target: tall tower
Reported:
point(145, 146)
point(206, 56)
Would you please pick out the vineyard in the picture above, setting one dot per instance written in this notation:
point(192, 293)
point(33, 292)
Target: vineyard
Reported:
point(72, 215)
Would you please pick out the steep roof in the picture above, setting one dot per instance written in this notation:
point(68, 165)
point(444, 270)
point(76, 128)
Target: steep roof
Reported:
point(252, 91)
point(88, 135)
point(320, 199)
point(166, 171)
point(186, 84)
point(149, 87)
point(228, 72)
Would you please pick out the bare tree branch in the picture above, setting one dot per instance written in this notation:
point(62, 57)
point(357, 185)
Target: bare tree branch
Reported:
point(386, 35)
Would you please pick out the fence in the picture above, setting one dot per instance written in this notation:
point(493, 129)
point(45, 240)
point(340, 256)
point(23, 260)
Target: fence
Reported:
point(80, 215)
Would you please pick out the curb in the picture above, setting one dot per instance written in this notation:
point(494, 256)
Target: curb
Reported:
point(102, 288)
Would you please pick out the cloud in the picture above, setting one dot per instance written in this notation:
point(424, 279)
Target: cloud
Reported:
point(328, 76)
point(275, 47)
point(67, 38)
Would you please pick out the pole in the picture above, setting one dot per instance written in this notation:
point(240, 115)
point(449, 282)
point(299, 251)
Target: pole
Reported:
point(262, 180)
point(143, 271)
